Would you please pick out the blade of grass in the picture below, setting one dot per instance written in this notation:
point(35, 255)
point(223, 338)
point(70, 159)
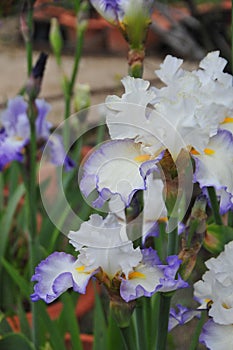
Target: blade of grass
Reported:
point(23, 284)
point(71, 321)
point(7, 218)
point(100, 327)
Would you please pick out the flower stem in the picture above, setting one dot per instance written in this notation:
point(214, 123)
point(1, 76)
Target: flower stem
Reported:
point(141, 329)
point(172, 241)
point(195, 336)
point(164, 308)
point(135, 62)
point(30, 181)
point(127, 338)
point(32, 212)
point(28, 41)
point(214, 205)
point(69, 86)
point(230, 218)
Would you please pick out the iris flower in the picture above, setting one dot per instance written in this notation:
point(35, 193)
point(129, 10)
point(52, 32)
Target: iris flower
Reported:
point(106, 253)
point(15, 133)
point(192, 112)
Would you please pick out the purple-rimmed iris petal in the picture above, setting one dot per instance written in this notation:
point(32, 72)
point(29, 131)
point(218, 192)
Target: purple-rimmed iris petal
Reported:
point(117, 167)
point(170, 282)
point(150, 277)
point(180, 316)
point(125, 11)
point(217, 337)
point(10, 149)
point(56, 274)
point(58, 155)
point(109, 9)
point(225, 199)
point(42, 125)
point(215, 166)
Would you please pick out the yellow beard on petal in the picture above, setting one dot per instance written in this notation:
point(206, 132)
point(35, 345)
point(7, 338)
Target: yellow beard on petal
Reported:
point(136, 274)
point(142, 158)
point(209, 151)
point(227, 120)
point(80, 268)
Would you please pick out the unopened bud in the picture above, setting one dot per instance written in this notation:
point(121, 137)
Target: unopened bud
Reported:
point(55, 39)
point(188, 257)
point(34, 83)
point(216, 237)
point(82, 98)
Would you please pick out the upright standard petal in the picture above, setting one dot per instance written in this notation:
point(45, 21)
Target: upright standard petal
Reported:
point(103, 243)
point(170, 69)
point(127, 117)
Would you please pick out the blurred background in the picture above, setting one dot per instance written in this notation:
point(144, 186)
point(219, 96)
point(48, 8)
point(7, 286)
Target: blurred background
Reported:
point(186, 29)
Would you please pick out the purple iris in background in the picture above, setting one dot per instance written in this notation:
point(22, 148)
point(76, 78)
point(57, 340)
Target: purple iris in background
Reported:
point(15, 133)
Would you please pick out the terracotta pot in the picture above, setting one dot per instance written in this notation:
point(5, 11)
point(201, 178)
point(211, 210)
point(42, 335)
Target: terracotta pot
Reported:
point(86, 339)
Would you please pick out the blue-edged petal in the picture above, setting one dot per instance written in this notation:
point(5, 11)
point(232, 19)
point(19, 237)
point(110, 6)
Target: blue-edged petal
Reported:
point(56, 274)
point(217, 337)
point(225, 200)
point(117, 167)
point(142, 281)
point(109, 9)
point(215, 166)
point(170, 280)
point(181, 315)
point(150, 276)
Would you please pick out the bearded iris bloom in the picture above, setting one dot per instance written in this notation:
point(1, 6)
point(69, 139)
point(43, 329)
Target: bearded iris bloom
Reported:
point(186, 114)
point(15, 133)
point(105, 253)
